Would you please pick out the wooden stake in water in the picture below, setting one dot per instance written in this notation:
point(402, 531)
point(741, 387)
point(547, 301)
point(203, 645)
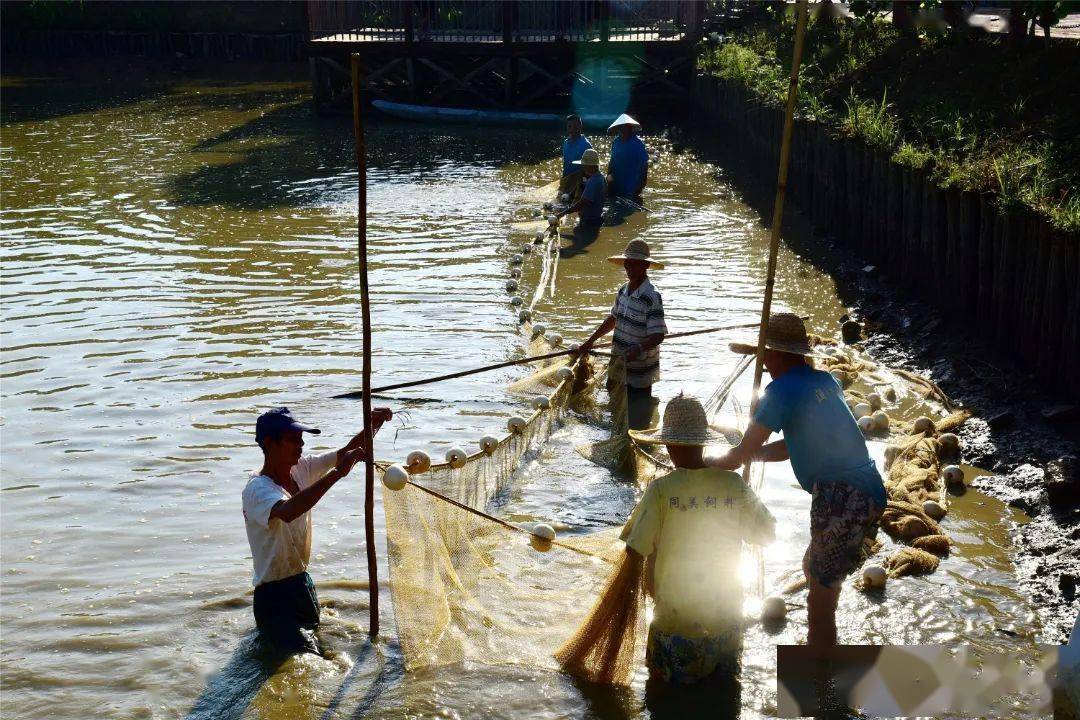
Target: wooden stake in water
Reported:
point(777, 218)
point(365, 311)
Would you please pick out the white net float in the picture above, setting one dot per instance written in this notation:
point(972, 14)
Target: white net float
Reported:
point(874, 576)
point(553, 220)
point(456, 457)
point(875, 400)
point(539, 236)
point(881, 421)
point(564, 373)
point(933, 509)
point(539, 329)
point(489, 444)
point(525, 316)
point(395, 477)
point(862, 410)
point(866, 424)
point(773, 608)
point(526, 249)
point(541, 402)
point(511, 285)
point(890, 394)
point(418, 462)
point(554, 339)
point(543, 531)
point(923, 425)
point(516, 300)
point(517, 260)
point(516, 424)
point(574, 347)
point(515, 273)
point(953, 474)
point(950, 443)
point(563, 197)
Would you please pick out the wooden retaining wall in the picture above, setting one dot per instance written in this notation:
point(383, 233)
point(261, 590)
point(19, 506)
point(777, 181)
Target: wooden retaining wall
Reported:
point(1011, 280)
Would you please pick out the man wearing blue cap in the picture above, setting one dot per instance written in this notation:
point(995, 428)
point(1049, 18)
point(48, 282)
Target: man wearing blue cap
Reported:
point(277, 512)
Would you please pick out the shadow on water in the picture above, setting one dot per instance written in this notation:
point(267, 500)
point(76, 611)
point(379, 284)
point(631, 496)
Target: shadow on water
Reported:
point(37, 98)
point(276, 151)
point(229, 692)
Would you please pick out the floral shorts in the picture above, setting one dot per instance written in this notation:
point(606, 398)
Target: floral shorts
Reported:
point(683, 661)
point(841, 516)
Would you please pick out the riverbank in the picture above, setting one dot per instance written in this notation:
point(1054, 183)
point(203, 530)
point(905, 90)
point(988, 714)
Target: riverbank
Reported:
point(1033, 460)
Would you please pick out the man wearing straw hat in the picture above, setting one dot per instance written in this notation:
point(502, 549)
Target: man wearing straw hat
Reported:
point(628, 167)
point(590, 206)
point(637, 317)
point(829, 457)
point(689, 525)
point(277, 505)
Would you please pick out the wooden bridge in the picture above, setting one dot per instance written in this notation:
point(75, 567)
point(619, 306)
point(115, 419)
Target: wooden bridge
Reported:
point(544, 55)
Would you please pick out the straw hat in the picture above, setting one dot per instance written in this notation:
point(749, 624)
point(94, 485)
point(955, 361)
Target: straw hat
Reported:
point(785, 333)
point(589, 157)
point(624, 119)
point(636, 250)
point(686, 425)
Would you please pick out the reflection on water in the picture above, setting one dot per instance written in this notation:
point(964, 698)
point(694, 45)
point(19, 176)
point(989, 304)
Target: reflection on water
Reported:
point(180, 256)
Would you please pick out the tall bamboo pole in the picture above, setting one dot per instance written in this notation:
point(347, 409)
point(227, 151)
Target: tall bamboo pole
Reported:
point(365, 312)
point(778, 206)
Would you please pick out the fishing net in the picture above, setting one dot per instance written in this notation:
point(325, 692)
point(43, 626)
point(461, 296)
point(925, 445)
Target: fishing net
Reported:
point(914, 461)
point(605, 647)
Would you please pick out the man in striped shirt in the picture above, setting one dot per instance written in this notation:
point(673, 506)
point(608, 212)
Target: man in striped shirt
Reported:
point(637, 317)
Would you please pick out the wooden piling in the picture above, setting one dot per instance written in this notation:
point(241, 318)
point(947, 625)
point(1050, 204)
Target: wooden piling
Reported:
point(365, 312)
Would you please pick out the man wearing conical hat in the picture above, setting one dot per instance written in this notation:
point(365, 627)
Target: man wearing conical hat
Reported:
point(828, 455)
point(628, 166)
point(590, 206)
point(689, 525)
point(637, 318)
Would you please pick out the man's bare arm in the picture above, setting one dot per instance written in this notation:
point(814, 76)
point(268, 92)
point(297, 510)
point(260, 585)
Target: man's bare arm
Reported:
point(301, 502)
point(745, 451)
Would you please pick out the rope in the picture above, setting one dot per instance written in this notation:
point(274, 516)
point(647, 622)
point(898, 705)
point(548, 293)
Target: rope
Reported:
point(505, 524)
point(352, 395)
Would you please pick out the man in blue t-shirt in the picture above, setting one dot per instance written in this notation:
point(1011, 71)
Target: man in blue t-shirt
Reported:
point(590, 206)
point(628, 168)
point(828, 454)
point(574, 145)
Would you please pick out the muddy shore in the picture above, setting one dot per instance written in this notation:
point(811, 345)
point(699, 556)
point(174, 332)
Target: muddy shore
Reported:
point(1035, 460)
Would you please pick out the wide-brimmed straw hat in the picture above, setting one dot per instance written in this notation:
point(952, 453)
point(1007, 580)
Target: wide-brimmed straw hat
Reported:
point(636, 250)
point(686, 425)
point(589, 157)
point(786, 333)
point(624, 119)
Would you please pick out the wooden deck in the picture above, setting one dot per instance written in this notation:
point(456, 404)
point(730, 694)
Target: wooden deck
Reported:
point(512, 56)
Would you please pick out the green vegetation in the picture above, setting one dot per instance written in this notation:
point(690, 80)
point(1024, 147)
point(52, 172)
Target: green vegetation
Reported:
point(974, 110)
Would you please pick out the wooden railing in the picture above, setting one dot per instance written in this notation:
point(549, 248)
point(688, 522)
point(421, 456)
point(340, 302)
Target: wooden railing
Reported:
point(464, 21)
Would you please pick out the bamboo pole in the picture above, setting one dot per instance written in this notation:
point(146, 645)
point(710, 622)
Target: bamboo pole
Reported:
point(365, 311)
point(778, 207)
point(353, 394)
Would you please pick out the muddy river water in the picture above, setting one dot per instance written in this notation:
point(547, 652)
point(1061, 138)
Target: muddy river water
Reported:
point(180, 257)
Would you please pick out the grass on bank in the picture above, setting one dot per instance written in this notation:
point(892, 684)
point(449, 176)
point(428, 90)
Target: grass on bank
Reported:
point(974, 111)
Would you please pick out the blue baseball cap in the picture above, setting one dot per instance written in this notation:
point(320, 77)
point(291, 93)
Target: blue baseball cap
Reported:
point(274, 422)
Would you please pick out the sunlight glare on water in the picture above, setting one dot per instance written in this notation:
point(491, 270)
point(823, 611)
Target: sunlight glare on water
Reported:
point(179, 257)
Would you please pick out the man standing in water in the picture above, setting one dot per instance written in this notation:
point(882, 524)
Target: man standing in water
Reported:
point(828, 454)
point(277, 512)
point(590, 206)
point(637, 317)
point(574, 146)
point(628, 168)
